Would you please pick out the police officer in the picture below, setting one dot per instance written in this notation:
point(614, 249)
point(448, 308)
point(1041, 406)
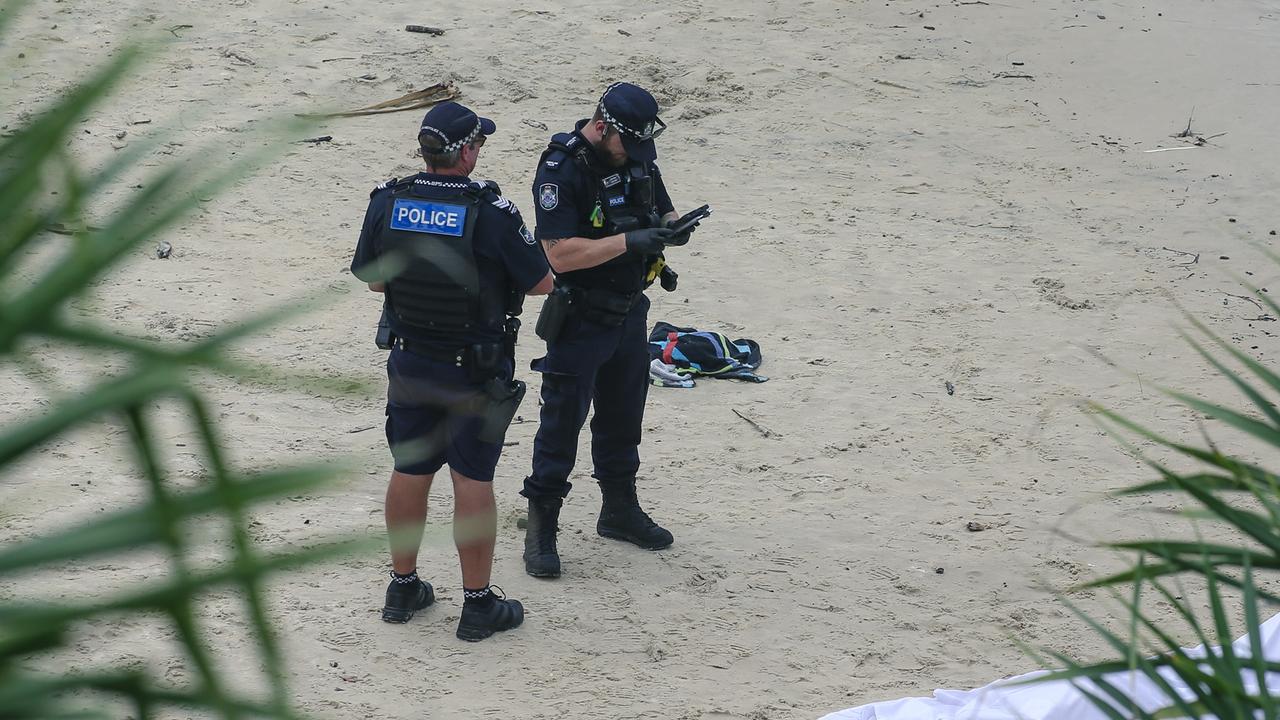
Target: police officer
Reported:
point(601, 209)
point(454, 260)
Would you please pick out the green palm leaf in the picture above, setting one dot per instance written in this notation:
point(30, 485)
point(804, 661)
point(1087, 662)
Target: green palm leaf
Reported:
point(33, 163)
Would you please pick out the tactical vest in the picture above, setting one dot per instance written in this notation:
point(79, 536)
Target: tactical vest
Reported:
point(438, 291)
point(618, 200)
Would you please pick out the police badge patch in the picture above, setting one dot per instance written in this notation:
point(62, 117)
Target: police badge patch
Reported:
point(549, 196)
point(528, 236)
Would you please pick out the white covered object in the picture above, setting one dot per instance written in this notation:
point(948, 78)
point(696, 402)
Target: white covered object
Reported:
point(1058, 700)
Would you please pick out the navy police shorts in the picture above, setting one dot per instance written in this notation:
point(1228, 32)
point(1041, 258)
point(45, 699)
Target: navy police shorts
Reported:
point(432, 418)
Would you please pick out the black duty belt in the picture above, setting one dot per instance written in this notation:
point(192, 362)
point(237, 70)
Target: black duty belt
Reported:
point(458, 357)
point(605, 300)
point(604, 307)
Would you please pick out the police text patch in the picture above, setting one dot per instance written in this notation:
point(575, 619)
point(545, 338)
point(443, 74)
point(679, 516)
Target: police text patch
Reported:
point(549, 196)
point(616, 200)
point(428, 217)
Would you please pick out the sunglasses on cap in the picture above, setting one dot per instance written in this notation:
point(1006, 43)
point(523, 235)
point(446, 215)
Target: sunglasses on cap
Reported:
point(650, 132)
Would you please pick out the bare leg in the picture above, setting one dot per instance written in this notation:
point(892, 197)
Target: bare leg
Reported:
point(406, 513)
point(475, 526)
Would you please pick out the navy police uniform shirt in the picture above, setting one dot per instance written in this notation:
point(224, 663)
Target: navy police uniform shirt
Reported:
point(507, 255)
point(563, 197)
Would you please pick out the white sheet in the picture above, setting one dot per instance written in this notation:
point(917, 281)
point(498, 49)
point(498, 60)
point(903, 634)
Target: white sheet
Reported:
point(1050, 700)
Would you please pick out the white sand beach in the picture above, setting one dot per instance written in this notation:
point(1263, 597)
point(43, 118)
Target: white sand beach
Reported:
point(907, 196)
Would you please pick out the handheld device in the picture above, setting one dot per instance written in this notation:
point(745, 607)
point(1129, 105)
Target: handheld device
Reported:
point(691, 219)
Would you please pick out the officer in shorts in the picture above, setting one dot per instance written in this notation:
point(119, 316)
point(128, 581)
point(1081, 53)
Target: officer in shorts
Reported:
point(602, 208)
point(454, 260)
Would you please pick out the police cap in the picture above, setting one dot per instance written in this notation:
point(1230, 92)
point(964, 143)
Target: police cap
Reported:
point(454, 125)
point(634, 112)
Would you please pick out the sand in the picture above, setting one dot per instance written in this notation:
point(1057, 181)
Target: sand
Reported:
point(906, 195)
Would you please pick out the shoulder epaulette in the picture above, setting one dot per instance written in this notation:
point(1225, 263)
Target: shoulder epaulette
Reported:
point(487, 185)
point(561, 148)
point(389, 183)
point(554, 158)
point(488, 191)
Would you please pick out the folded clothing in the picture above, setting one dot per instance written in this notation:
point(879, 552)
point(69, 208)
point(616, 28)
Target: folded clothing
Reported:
point(664, 375)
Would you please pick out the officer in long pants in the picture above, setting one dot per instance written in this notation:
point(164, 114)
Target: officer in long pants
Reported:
point(601, 210)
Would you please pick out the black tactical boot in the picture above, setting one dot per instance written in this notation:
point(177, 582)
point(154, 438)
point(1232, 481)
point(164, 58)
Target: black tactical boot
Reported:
point(622, 519)
point(540, 556)
point(488, 615)
point(405, 596)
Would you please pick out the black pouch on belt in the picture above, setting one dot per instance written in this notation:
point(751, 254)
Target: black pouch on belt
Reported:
point(555, 310)
point(607, 308)
point(484, 361)
point(385, 339)
point(502, 399)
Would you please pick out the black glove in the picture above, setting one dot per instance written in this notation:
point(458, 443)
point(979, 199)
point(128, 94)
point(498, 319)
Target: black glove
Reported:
point(682, 238)
point(649, 241)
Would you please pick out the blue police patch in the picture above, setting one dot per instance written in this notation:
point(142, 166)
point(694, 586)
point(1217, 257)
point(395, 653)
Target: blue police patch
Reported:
point(428, 217)
point(526, 235)
point(616, 201)
point(549, 196)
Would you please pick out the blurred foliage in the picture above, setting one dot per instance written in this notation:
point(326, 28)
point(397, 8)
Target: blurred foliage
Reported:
point(1236, 499)
point(44, 189)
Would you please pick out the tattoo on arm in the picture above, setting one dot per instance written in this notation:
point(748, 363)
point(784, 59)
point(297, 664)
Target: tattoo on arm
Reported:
point(550, 243)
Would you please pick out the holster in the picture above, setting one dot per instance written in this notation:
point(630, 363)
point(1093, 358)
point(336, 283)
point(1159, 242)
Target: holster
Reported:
point(659, 270)
point(501, 399)
point(384, 339)
point(555, 311)
point(510, 332)
point(668, 278)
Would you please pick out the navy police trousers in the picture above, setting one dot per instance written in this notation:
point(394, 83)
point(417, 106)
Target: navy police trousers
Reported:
point(589, 363)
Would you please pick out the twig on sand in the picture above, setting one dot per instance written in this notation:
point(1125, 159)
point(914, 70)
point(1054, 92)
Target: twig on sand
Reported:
point(891, 84)
point(424, 29)
point(410, 101)
point(1245, 298)
point(1202, 140)
point(1195, 257)
point(1185, 147)
point(238, 57)
point(766, 432)
point(1187, 133)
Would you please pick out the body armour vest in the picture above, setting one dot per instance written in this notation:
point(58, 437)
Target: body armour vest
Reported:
point(618, 200)
point(438, 291)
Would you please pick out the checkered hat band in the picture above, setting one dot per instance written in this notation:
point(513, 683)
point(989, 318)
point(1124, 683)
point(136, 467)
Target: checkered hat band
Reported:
point(604, 113)
point(451, 146)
